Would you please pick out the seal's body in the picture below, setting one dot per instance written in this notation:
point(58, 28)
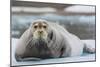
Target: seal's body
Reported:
point(48, 40)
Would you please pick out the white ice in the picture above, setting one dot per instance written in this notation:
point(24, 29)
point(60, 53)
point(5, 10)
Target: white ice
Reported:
point(84, 57)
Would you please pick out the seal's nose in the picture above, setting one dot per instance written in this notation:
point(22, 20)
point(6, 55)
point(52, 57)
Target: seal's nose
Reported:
point(40, 32)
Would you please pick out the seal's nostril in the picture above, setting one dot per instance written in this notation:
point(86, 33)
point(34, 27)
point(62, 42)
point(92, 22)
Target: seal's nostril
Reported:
point(40, 32)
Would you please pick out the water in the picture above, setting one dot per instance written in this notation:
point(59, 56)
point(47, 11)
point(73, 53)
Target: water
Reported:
point(81, 25)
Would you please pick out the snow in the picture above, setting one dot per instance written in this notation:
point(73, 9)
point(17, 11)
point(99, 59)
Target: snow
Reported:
point(80, 9)
point(33, 9)
point(84, 57)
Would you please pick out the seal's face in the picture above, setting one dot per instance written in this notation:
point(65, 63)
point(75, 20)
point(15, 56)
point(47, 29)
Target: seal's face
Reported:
point(40, 30)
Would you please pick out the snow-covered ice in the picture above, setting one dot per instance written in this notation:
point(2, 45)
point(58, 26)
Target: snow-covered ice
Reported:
point(84, 57)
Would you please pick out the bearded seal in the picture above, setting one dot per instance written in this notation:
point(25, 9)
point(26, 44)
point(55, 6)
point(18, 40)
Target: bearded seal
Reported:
point(44, 39)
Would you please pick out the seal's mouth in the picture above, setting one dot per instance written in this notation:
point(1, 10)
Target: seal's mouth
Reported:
point(39, 35)
point(40, 38)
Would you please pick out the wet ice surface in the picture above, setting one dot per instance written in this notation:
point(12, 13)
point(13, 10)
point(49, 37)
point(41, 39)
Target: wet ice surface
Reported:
point(84, 57)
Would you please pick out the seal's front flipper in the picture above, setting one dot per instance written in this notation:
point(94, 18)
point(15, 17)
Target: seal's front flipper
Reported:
point(89, 48)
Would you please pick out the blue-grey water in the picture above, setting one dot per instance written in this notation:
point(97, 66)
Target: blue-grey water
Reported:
point(81, 25)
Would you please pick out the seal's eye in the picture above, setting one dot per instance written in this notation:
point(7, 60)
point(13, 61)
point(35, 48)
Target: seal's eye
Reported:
point(44, 27)
point(35, 26)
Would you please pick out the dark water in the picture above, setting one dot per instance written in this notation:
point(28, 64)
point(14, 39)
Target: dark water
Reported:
point(81, 25)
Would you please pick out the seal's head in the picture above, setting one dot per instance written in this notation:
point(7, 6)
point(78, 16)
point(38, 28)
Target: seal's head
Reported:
point(40, 32)
point(40, 29)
